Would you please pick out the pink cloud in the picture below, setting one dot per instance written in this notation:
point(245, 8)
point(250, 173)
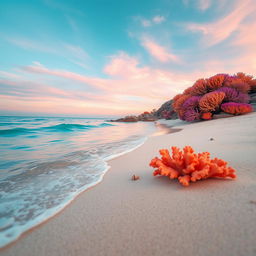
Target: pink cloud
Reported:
point(216, 32)
point(123, 65)
point(158, 52)
point(130, 88)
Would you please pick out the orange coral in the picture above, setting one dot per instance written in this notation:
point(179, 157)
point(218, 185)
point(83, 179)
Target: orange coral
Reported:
point(187, 166)
point(245, 78)
point(237, 83)
point(199, 87)
point(215, 82)
point(210, 102)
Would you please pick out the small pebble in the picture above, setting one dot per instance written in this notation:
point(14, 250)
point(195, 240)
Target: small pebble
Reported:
point(211, 139)
point(134, 177)
point(253, 202)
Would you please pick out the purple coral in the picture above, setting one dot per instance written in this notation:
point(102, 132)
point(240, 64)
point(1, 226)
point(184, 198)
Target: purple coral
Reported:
point(191, 102)
point(191, 115)
point(233, 95)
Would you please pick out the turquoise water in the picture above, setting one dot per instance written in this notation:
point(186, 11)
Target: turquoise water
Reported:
point(46, 162)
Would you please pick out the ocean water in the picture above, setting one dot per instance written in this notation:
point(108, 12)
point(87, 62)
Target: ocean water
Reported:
point(46, 162)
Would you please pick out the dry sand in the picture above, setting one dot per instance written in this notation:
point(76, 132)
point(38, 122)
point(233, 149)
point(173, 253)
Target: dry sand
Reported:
point(155, 215)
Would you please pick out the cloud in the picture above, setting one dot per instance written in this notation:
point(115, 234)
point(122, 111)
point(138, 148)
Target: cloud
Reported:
point(158, 52)
point(201, 5)
point(204, 4)
point(220, 30)
point(29, 44)
point(73, 53)
point(158, 19)
point(130, 87)
point(146, 23)
point(124, 66)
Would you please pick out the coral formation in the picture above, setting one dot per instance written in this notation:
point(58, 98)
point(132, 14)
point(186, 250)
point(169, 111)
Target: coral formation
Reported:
point(236, 108)
point(211, 101)
point(206, 95)
point(187, 166)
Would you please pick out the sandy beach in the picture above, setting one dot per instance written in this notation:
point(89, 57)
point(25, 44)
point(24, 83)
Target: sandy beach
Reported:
point(155, 215)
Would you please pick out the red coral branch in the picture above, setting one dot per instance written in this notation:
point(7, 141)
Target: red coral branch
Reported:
point(187, 166)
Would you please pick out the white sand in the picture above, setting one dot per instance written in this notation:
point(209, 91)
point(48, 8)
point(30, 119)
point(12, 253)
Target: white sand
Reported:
point(155, 215)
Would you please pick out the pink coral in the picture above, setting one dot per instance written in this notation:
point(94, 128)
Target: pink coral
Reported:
point(187, 166)
point(211, 101)
point(236, 108)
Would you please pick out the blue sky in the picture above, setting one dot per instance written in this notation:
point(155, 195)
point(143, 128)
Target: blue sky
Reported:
point(112, 58)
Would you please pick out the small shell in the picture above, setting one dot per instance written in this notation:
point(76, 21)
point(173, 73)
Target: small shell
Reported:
point(134, 177)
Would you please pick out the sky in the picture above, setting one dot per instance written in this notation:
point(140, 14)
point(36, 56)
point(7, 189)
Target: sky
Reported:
point(104, 58)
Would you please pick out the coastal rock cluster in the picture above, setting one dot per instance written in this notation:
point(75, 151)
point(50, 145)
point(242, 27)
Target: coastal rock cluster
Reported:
point(186, 166)
point(221, 92)
point(166, 111)
point(145, 116)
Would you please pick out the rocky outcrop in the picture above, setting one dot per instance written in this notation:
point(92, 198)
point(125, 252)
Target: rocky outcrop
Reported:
point(126, 119)
point(166, 111)
point(253, 100)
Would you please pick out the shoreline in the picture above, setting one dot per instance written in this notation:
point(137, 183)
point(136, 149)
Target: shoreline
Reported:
point(152, 207)
point(163, 129)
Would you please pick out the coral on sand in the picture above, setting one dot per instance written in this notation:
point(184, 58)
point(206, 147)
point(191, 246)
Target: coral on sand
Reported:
point(211, 101)
point(203, 99)
point(236, 108)
point(187, 166)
